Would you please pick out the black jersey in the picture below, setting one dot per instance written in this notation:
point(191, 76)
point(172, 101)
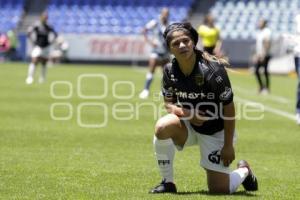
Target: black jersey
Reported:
point(40, 34)
point(207, 89)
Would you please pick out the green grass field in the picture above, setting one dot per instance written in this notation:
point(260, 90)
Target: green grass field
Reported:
point(46, 158)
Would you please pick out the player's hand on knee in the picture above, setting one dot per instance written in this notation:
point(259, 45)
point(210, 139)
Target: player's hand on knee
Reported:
point(227, 155)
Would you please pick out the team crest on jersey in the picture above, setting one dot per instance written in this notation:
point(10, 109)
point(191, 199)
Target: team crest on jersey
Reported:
point(226, 95)
point(199, 79)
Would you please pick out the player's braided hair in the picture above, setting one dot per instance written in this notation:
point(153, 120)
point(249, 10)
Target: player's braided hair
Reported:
point(188, 29)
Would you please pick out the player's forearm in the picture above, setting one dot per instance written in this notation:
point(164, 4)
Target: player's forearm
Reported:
point(229, 124)
point(145, 35)
point(218, 45)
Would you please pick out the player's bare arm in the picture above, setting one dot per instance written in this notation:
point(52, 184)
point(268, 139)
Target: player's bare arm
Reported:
point(227, 153)
point(196, 117)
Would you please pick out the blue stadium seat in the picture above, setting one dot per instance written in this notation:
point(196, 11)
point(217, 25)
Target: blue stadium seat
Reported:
point(121, 16)
point(280, 15)
point(10, 13)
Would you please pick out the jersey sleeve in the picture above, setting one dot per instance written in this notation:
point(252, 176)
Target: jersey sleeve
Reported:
point(32, 33)
point(200, 30)
point(221, 86)
point(167, 85)
point(32, 29)
point(218, 33)
point(151, 24)
point(267, 34)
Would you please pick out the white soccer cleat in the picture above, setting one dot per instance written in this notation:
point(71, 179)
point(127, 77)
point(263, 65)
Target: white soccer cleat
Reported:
point(29, 80)
point(264, 91)
point(144, 94)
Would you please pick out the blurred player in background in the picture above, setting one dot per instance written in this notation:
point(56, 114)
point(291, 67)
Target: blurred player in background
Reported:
point(262, 56)
point(297, 65)
point(293, 41)
point(4, 46)
point(210, 36)
point(199, 99)
point(41, 34)
point(59, 51)
point(14, 43)
point(159, 54)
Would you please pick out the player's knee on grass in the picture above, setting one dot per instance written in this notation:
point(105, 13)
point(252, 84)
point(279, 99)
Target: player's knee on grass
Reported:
point(217, 183)
point(216, 187)
point(219, 189)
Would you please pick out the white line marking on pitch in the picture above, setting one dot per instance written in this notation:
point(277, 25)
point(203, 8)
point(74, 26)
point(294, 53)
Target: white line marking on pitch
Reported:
point(268, 108)
point(275, 98)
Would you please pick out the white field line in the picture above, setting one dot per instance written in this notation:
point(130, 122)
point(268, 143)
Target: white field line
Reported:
point(277, 99)
point(268, 108)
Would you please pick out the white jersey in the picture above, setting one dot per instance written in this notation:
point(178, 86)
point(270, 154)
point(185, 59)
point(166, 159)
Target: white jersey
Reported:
point(261, 36)
point(157, 29)
point(297, 37)
point(297, 45)
point(293, 40)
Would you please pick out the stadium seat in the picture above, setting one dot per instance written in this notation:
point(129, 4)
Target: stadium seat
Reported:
point(238, 13)
point(10, 14)
point(122, 17)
